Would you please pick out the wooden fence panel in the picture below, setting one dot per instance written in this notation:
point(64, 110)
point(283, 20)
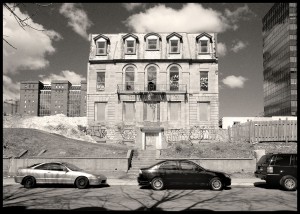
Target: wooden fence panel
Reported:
point(258, 131)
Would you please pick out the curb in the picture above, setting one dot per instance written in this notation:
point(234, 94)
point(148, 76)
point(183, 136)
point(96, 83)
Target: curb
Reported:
point(118, 182)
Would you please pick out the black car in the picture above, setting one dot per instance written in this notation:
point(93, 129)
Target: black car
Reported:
point(181, 172)
point(278, 169)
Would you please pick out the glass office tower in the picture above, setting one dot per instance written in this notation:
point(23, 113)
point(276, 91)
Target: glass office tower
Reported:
point(280, 60)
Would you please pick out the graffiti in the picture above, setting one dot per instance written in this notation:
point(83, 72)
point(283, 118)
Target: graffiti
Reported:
point(195, 133)
point(200, 133)
point(101, 133)
point(176, 135)
point(111, 134)
point(129, 134)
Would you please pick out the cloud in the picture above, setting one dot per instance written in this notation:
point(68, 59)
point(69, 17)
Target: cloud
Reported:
point(32, 45)
point(132, 6)
point(222, 49)
point(71, 76)
point(234, 82)
point(77, 18)
point(239, 46)
point(190, 18)
point(11, 90)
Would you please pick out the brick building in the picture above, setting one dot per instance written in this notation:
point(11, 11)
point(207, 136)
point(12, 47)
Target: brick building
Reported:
point(60, 97)
point(152, 89)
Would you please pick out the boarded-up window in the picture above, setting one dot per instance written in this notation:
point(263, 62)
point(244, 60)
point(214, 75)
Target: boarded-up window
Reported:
point(174, 111)
point(128, 111)
point(151, 111)
point(100, 110)
point(204, 111)
point(100, 81)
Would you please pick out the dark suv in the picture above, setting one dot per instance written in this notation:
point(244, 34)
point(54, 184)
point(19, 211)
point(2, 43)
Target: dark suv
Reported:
point(278, 169)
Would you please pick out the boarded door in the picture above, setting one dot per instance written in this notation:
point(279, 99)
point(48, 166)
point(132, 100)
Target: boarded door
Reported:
point(151, 139)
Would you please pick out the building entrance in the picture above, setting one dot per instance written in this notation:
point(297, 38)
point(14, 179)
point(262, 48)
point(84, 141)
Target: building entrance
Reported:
point(151, 141)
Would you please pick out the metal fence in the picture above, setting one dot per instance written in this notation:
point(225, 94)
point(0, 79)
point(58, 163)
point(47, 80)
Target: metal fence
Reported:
point(264, 131)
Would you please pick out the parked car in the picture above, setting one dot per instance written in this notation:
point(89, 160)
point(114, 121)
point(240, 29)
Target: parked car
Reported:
point(278, 169)
point(57, 173)
point(181, 172)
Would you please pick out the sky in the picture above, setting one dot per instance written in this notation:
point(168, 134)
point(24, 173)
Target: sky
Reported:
point(58, 46)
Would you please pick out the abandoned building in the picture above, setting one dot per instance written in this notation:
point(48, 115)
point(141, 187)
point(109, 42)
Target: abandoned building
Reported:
point(150, 89)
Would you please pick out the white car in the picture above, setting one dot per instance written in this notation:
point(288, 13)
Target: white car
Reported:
point(57, 173)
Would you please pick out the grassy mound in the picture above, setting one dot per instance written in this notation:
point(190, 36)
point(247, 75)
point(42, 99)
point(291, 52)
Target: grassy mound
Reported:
point(16, 140)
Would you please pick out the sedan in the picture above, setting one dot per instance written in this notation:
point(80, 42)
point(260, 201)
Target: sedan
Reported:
point(57, 173)
point(181, 172)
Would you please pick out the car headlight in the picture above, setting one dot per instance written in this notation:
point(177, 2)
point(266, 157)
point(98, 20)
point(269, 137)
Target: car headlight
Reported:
point(227, 176)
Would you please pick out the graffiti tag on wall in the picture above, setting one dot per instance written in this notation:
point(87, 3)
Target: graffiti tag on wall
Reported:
point(129, 134)
point(176, 134)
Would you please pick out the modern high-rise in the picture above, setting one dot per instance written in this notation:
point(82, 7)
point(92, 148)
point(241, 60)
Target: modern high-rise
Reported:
point(280, 60)
point(152, 89)
point(59, 97)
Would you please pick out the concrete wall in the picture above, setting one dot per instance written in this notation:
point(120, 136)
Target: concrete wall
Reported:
point(121, 164)
point(228, 165)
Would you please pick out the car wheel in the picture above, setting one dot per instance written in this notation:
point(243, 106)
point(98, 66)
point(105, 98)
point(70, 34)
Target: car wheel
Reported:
point(29, 182)
point(81, 182)
point(288, 182)
point(216, 184)
point(157, 183)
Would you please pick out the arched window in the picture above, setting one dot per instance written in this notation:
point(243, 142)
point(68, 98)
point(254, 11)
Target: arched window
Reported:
point(174, 78)
point(129, 78)
point(151, 78)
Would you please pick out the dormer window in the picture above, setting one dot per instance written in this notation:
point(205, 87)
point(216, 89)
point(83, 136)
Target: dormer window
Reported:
point(130, 47)
point(203, 46)
point(204, 41)
point(174, 46)
point(152, 41)
point(101, 48)
point(174, 40)
point(130, 42)
point(102, 43)
point(152, 44)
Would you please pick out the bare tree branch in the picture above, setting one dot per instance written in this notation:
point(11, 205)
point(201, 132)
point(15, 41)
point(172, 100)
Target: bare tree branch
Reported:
point(23, 23)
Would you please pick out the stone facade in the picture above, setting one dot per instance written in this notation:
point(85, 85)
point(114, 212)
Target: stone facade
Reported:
point(146, 95)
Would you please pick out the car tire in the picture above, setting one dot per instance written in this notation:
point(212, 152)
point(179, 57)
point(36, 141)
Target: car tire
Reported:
point(216, 184)
point(29, 182)
point(288, 182)
point(157, 183)
point(81, 182)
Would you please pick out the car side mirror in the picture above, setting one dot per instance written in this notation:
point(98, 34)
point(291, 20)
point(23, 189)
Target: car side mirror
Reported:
point(66, 170)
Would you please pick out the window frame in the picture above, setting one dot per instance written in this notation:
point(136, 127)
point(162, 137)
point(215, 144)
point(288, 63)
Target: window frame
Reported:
point(157, 44)
point(172, 86)
point(178, 46)
point(154, 82)
point(200, 46)
point(100, 82)
point(104, 48)
point(125, 81)
point(201, 81)
point(126, 47)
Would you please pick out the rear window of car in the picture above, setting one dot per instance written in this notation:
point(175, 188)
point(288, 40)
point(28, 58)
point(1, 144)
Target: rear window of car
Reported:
point(264, 159)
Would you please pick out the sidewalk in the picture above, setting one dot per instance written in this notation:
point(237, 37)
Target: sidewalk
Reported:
point(116, 181)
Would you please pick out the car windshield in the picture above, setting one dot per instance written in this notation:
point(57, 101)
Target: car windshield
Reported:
point(72, 167)
point(264, 159)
